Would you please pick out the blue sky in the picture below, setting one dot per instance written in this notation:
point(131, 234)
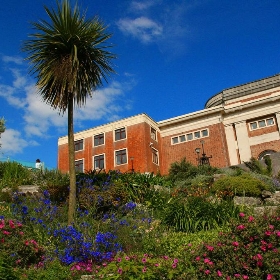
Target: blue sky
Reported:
point(172, 56)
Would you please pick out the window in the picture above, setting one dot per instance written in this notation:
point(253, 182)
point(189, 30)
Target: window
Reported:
point(197, 134)
point(121, 157)
point(79, 165)
point(99, 139)
point(182, 138)
point(175, 140)
point(99, 162)
point(155, 156)
point(261, 123)
point(189, 136)
point(120, 134)
point(153, 134)
point(79, 145)
point(204, 133)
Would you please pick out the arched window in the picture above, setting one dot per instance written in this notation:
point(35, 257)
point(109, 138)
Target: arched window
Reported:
point(265, 153)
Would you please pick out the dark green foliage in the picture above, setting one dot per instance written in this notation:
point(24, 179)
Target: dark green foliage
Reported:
point(243, 185)
point(185, 170)
point(255, 166)
point(196, 213)
point(6, 270)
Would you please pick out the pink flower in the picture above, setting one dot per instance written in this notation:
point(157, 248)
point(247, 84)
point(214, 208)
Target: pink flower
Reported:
point(174, 265)
point(197, 258)
point(144, 260)
point(11, 224)
point(207, 271)
point(245, 277)
point(206, 260)
point(156, 264)
point(120, 270)
point(251, 219)
point(259, 256)
point(21, 233)
point(235, 243)
point(271, 227)
point(240, 227)
point(209, 248)
point(219, 273)
point(175, 261)
point(127, 258)
point(2, 223)
point(237, 275)
point(269, 277)
point(268, 233)
point(144, 269)
point(119, 259)
point(241, 215)
point(165, 257)
point(6, 232)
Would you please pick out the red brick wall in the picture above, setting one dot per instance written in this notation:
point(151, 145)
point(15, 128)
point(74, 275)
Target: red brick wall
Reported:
point(214, 144)
point(257, 149)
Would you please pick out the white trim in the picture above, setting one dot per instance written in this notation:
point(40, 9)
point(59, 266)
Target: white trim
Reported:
point(83, 160)
point(187, 133)
point(153, 149)
point(93, 161)
point(114, 132)
point(93, 140)
point(259, 120)
point(115, 164)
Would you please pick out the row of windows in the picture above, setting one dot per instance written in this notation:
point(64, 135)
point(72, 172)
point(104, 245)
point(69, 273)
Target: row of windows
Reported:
point(120, 158)
point(190, 136)
point(261, 123)
point(99, 139)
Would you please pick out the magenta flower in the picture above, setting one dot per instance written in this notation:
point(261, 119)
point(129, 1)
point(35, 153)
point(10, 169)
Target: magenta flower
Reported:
point(240, 227)
point(2, 223)
point(176, 261)
point(11, 224)
point(6, 232)
point(206, 260)
point(269, 277)
point(127, 258)
point(251, 219)
point(278, 233)
point(174, 265)
point(207, 271)
point(235, 244)
point(119, 259)
point(241, 215)
point(144, 269)
point(209, 248)
point(120, 271)
point(245, 277)
point(144, 260)
point(219, 273)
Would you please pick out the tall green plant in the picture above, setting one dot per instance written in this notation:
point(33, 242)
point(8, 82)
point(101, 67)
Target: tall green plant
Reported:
point(69, 60)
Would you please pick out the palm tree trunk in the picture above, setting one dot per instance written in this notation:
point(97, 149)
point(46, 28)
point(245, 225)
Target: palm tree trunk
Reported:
point(71, 152)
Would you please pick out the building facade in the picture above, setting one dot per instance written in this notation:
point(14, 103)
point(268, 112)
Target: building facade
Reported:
point(238, 123)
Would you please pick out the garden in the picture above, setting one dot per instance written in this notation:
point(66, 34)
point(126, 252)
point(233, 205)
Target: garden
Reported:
point(184, 225)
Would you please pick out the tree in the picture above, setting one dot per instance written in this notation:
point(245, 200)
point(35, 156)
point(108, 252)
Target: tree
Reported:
point(2, 127)
point(69, 59)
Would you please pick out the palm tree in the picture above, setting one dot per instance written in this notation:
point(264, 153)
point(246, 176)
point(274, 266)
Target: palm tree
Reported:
point(69, 59)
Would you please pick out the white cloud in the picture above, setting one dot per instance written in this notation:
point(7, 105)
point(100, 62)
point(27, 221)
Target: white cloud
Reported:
point(143, 28)
point(15, 59)
point(140, 6)
point(12, 142)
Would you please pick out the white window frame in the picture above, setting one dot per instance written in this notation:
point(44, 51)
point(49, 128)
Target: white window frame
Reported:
point(104, 167)
point(186, 136)
point(155, 152)
point(257, 123)
point(123, 127)
point(83, 160)
point(153, 132)
point(115, 157)
point(78, 140)
point(98, 135)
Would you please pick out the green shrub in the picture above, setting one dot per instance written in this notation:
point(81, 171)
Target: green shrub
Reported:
point(243, 185)
point(197, 213)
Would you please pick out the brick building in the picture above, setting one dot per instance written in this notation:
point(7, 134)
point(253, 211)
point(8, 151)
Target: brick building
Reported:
point(237, 123)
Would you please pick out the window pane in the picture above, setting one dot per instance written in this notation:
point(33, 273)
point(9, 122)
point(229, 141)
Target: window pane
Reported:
point(261, 123)
point(197, 134)
point(120, 134)
point(99, 139)
point(153, 134)
point(79, 145)
point(99, 162)
point(121, 157)
point(253, 125)
point(175, 140)
point(155, 156)
point(182, 138)
point(204, 133)
point(79, 166)
point(190, 136)
point(270, 121)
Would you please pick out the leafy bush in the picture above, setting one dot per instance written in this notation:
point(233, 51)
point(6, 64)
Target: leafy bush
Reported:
point(252, 251)
point(241, 185)
point(255, 166)
point(13, 174)
point(197, 213)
